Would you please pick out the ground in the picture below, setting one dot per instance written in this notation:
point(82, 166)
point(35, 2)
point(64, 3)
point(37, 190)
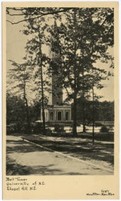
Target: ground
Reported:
point(47, 155)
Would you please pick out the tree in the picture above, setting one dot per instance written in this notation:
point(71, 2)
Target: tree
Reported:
point(106, 111)
point(31, 13)
point(19, 80)
point(38, 59)
point(34, 29)
point(15, 113)
point(85, 41)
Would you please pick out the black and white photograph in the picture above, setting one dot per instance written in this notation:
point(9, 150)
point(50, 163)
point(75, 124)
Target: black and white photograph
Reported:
point(60, 91)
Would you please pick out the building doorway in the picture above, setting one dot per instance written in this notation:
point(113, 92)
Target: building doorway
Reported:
point(59, 116)
point(67, 115)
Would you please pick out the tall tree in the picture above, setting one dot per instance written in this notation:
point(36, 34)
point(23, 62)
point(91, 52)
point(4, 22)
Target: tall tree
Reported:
point(37, 29)
point(85, 41)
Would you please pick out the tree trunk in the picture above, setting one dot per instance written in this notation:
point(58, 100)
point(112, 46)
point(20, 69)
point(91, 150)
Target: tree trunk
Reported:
point(93, 117)
point(83, 111)
point(83, 101)
point(75, 82)
point(27, 116)
point(41, 77)
point(43, 109)
point(27, 109)
point(75, 116)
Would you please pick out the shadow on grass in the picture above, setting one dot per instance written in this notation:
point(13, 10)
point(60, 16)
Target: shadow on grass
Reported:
point(16, 169)
point(82, 150)
point(20, 147)
point(79, 150)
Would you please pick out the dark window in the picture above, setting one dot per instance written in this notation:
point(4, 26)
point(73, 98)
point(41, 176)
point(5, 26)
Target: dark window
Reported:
point(59, 116)
point(67, 115)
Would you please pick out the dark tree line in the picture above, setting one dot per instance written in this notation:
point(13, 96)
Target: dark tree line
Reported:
point(17, 119)
point(104, 111)
point(16, 112)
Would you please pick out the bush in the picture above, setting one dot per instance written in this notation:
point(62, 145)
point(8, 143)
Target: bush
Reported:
point(104, 129)
point(11, 128)
point(98, 124)
point(59, 129)
point(36, 128)
point(48, 131)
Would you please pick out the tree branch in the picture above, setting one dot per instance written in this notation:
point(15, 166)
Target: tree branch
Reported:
point(17, 21)
point(16, 14)
point(42, 14)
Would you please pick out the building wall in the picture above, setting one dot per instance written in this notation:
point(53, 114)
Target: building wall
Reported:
point(57, 94)
point(57, 114)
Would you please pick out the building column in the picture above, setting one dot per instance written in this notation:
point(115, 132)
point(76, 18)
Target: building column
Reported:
point(64, 115)
point(55, 115)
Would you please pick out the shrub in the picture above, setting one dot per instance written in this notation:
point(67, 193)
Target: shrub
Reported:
point(48, 131)
point(104, 129)
point(59, 128)
point(36, 128)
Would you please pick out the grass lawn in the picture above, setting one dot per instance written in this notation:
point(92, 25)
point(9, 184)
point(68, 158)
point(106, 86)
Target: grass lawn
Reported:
point(80, 147)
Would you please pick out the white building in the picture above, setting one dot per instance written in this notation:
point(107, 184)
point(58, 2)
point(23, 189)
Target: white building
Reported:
point(57, 112)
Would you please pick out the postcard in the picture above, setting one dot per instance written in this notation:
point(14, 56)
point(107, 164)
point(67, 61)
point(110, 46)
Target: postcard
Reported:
point(60, 100)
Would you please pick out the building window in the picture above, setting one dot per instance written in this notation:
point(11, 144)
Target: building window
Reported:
point(67, 115)
point(51, 115)
point(59, 116)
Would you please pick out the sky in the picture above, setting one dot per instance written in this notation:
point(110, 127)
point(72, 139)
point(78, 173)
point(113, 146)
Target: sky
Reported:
point(16, 42)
